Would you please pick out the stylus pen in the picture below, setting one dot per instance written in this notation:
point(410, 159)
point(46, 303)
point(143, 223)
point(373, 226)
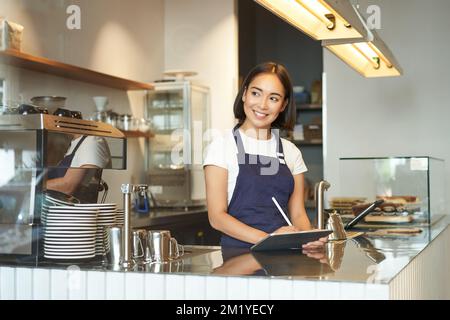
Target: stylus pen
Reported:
point(281, 211)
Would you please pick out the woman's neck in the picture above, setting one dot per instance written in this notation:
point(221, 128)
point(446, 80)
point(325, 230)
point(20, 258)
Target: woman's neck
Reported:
point(256, 133)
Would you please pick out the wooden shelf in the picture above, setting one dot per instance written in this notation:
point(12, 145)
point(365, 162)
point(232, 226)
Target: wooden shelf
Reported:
point(27, 61)
point(308, 107)
point(138, 134)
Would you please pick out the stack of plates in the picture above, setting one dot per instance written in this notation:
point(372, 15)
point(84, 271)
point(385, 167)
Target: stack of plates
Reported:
point(120, 217)
point(106, 217)
point(51, 201)
point(69, 232)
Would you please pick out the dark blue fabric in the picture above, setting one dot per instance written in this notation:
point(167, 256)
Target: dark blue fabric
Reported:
point(251, 202)
point(64, 164)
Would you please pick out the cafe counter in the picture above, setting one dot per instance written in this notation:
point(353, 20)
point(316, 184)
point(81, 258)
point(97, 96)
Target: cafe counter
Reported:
point(371, 266)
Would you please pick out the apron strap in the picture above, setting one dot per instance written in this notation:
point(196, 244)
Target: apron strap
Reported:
point(280, 152)
point(240, 146)
point(78, 145)
point(238, 139)
point(241, 150)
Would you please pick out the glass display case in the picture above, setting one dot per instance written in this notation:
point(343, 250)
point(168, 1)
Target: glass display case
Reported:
point(32, 146)
point(179, 113)
point(413, 188)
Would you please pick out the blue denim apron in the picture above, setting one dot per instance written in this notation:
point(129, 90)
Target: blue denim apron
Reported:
point(60, 170)
point(87, 191)
point(260, 178)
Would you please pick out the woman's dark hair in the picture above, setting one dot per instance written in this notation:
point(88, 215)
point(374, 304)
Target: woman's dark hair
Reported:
point(285, 119)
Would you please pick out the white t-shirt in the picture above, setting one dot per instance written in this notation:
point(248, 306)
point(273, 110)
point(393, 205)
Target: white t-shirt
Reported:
point(93, 151)
point(222, 152)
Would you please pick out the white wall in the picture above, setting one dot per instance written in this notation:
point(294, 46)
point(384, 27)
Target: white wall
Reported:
point(202, 36)
point(404, 116)
point(121, 38)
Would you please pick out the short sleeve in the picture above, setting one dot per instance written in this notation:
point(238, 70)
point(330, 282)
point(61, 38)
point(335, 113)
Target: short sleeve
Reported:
point(299, 164)
point(216, 153)
point(93, 151)
point(294, 158)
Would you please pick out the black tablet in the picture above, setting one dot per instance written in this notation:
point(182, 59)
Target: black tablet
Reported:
point(293, 240)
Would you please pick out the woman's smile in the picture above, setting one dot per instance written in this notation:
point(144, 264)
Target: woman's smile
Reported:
point(260, 115)
point(264, 99)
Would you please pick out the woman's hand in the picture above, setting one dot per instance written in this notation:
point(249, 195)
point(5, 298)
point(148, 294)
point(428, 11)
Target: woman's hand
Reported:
point(315, 245)
point(317, 254)
point(286, 229)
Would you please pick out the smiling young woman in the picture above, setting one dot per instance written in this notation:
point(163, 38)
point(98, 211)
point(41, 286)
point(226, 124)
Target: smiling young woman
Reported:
point(250, 164)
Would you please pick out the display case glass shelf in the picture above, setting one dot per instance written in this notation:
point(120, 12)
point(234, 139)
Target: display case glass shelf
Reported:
point(414, 187)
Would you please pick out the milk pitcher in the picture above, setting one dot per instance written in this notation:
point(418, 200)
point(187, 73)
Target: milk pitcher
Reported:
point(139, 245)
point(161, 247)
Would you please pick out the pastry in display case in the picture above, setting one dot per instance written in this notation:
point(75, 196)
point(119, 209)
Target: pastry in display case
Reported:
point(413, 189)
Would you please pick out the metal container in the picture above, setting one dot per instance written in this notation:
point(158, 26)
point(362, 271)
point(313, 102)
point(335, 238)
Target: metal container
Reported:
point(114, 238)
point(158, 246)
point(176, 250)
point(139, 245)
point(335, 224)
point(50, 102)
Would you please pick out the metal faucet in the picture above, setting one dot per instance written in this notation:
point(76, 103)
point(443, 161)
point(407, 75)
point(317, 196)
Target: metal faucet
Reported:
point(318, 197)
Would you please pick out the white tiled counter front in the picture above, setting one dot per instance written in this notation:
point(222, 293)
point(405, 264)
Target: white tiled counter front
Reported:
point(23, 283)
point(391, 269)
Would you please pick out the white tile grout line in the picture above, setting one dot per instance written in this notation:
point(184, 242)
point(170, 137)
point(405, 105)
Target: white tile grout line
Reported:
point(105, 287)
point(86, 285)
point(32, 285)
point(15, 284)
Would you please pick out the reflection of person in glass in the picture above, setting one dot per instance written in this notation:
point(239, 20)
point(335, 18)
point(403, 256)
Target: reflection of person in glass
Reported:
point(317, 261)
point(79, 172)
point(238, 261)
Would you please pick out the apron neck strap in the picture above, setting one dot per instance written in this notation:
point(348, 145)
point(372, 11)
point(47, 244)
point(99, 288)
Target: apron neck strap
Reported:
point(240, 145)
point(78, 145)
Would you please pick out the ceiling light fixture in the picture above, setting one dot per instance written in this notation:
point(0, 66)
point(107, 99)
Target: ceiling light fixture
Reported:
point(370, 57)
point(320, 19)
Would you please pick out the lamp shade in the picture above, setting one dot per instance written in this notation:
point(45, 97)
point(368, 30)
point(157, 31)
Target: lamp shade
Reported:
point(320, 19)
point(370, 57)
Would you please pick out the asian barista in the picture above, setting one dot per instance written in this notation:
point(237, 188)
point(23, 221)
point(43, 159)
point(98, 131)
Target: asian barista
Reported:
point(250, 164)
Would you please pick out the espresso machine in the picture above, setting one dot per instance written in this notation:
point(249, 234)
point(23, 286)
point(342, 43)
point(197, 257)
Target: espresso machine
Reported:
point(30, 146)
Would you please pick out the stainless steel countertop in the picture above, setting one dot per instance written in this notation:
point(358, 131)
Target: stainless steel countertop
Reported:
point(366, 259)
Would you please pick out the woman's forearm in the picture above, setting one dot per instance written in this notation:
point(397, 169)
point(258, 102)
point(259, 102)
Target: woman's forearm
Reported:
point(301, 221)
point(231, 226)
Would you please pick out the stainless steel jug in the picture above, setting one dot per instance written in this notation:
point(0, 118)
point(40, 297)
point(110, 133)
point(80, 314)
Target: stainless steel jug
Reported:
point(161, 247)
point(115, 254)
point(139, 245)
point(335, 224)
